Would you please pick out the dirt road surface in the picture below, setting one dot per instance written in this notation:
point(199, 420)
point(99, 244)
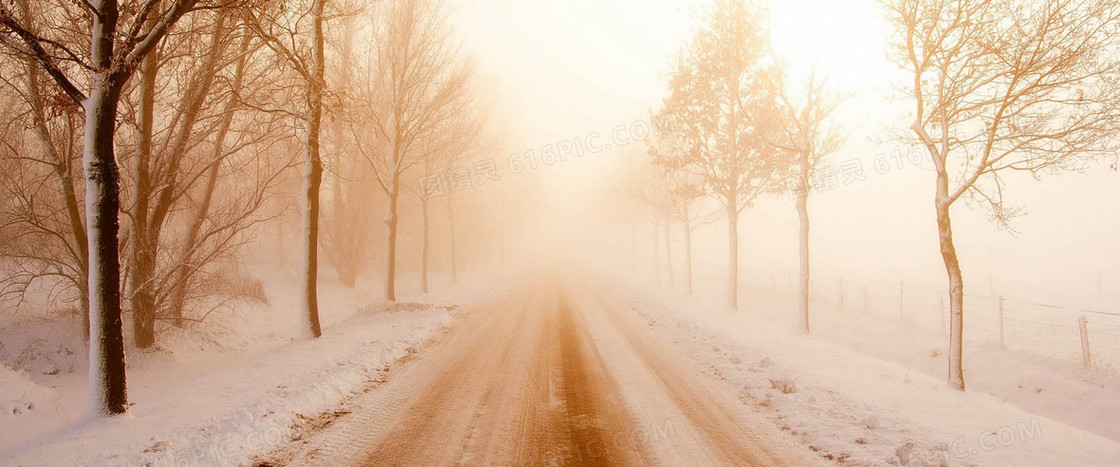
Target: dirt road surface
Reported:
point(550, 374)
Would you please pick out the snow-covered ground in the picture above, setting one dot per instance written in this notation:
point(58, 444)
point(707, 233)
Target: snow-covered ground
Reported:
point(1061, 389)
point(862, 389)
point(856, 408)
point(215, 393)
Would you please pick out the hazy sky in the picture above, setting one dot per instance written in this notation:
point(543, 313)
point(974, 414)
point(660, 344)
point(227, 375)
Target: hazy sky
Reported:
point(575, 64)
point(560, 69)
point(572, 66)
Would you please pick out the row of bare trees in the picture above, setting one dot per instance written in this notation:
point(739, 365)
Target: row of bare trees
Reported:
point(997, 87)
point(733, 128)
point(190, 119)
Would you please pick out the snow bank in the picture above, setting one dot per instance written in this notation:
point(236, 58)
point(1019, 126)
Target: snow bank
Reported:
point(247, 409)
point(1087, 398)
point(19, 395)
point(854, 408)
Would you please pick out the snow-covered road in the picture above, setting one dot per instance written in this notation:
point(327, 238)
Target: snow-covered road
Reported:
point(545, 375)
point(560, 368)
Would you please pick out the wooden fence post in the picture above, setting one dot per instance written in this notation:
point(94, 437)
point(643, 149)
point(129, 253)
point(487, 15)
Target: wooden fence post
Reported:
point(1082, 326)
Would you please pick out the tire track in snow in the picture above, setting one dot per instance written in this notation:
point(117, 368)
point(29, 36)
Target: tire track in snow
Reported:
point(725, 425)
point(523, 381)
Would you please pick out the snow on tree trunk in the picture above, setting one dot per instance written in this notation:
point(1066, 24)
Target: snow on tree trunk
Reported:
point(106, 74)
point(956, 284)
point(313, 176)
point(108, 394)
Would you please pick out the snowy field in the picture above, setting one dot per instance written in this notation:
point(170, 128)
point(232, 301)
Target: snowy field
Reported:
point(882, 404)
point(1032, 375)
point(216, 393)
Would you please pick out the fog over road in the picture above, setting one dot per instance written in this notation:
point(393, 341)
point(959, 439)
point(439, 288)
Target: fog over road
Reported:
point(549, 373)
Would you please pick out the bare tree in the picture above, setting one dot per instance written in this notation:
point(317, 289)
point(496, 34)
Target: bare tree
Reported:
point(1001, 86)
point(683, 193)
point(119, 40)
point(284, 30)
point(348, 234)
point(713, 122)
point(207, 222)
point(680, 192)
point(434, 182)
point(427, 187)
point(802, 130)
point(162, 171)
point(416, 87)
point(177, 115)
point(35, 246)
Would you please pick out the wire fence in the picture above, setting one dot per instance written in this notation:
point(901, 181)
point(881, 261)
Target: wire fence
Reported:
point(1069, 333)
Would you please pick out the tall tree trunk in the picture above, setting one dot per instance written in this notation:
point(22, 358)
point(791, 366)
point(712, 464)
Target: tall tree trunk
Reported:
point(108, 393)
point(313, 175)
point(424, 245)
point(803, 242)
point(451, 232)
point(148, 230)
point(733, 257)
point(143, 297)
point(687, 253)
point(391, 222)
point(142, 270)
point(669, 253)
point(956, 283)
